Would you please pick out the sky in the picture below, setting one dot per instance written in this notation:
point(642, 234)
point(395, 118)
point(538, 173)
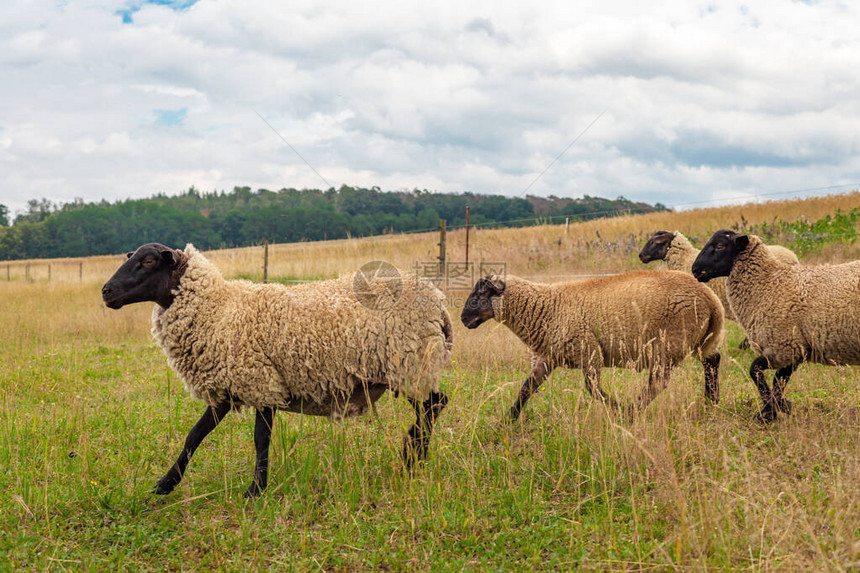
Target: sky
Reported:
point(689, 104)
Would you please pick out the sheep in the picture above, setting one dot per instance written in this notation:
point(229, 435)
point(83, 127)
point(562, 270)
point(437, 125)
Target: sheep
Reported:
point(323, 349)
point(791, 313)
point(678, 253)
point(634, 320)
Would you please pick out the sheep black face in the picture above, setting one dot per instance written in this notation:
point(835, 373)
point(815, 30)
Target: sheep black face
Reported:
point(479, 306)
point(718, 255)
point(656, 247)
point(147, 275)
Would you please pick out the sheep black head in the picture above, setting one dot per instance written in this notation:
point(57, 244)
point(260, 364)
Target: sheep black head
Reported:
point(150, 274)
point(479, 306)
point(656, 247)
point(719, 254)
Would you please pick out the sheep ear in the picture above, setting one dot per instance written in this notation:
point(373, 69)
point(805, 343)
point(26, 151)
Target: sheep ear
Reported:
point(741, 242)
point(170, 256)
point(129, 254)
point(497, 283)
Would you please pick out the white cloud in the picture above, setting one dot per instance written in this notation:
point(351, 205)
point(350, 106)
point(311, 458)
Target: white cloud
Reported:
point(704, 101)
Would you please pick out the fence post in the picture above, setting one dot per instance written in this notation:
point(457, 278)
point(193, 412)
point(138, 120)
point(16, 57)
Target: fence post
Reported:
point(265, 261)
point(467, 236)
point(566, 224)
point(27, 272)
point(442, 223)
point(8, 275)
point(49, 272)
point(81, 272)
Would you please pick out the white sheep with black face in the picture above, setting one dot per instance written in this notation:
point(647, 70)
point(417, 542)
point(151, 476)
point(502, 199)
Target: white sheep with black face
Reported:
point(791, 313)
point(316, 349)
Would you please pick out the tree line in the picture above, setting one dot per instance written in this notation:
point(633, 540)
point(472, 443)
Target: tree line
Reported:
point(243, 217)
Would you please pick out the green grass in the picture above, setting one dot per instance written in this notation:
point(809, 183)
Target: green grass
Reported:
point(91, 417)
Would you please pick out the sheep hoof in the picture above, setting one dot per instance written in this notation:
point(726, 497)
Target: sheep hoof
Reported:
point(628, 414)
point(767, 415)
point(783, 406)
point(253, 491)
point(164, 486)
point(412, 458)
point(415, 448)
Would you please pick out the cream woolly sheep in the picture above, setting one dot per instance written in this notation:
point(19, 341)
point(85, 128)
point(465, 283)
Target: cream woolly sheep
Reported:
point(791, 313)
point(678, 253)
point(635, 320)
point(313, 349)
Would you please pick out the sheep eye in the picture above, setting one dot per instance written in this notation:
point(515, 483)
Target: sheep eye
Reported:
point(148, 263)
point(719, 247)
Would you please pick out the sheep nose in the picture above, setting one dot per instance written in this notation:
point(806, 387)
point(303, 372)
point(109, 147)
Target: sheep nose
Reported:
point(106, 291)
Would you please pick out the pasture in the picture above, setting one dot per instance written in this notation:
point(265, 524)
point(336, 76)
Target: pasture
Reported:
point(91, 417)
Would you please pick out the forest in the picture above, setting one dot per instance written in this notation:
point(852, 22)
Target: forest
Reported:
point(243, 217)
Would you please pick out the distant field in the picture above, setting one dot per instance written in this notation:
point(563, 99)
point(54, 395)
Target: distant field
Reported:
point(91, 417)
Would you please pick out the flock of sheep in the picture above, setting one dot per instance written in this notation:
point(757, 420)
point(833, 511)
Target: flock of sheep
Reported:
point(318, 349)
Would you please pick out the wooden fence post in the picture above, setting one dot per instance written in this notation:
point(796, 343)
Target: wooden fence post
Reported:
point(442, 223)
point(265, 262)
point(467, 236)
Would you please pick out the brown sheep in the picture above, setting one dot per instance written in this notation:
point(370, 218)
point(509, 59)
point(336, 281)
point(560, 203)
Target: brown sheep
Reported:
point(636, 320)
point(791, 313)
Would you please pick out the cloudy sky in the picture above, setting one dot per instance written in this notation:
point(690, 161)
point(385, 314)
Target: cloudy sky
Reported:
point(702, 103)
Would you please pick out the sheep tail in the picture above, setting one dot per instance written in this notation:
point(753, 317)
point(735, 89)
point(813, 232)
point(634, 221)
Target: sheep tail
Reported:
point(713, 335)
point(447, 331)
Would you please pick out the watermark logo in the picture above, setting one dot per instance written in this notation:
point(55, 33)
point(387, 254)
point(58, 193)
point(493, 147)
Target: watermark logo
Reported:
point(454, 275)
point(377, 285)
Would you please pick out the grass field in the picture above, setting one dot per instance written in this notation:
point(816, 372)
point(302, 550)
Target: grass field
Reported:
point(91, 417)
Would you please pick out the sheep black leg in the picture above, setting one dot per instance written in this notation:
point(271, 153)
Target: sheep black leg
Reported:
point(592, 385)
point(757, 368)
point(540, 371)
point(417, 440)
point(207, 422)
point(780, 379)
point(262, 437)
point(711, 366)
point(658, 379)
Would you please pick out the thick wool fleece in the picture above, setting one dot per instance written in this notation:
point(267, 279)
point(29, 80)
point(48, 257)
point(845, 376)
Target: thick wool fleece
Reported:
point(270, 345)
point(632, 320)
point(793, 313)
point(681, 255)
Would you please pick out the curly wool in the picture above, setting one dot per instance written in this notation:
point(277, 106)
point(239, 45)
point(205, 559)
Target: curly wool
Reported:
point(793, 313)
point(267, 345)
point(631, 320)
point(681, 254)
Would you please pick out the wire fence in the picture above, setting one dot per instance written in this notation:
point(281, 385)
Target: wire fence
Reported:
point(43, 272)
point(81, 270)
